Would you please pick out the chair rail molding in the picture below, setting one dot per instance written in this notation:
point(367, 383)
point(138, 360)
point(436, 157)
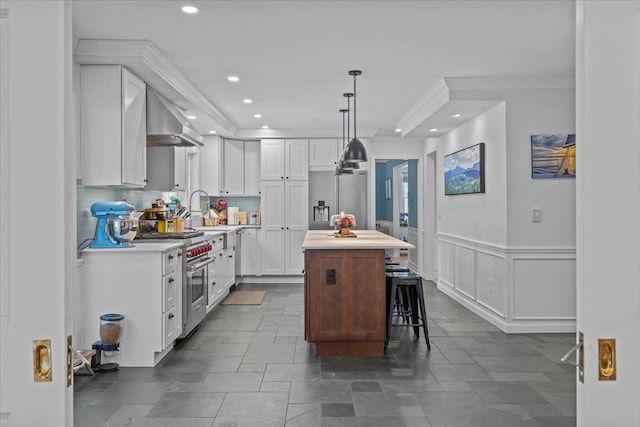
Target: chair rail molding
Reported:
point(510, 286)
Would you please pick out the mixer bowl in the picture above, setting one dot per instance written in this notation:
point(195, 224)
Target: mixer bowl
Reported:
point(124, 230)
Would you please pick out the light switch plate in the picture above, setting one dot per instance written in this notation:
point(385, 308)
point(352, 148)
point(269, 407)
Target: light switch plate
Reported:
point(536, 215)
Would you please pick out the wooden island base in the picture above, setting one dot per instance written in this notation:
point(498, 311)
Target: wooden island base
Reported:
point(350, 348)
point(345, 296)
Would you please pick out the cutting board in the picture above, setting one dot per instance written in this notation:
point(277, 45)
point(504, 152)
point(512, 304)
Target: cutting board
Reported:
point(242, 218)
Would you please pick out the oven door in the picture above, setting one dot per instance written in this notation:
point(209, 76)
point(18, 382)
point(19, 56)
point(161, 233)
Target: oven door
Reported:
point(197, 278)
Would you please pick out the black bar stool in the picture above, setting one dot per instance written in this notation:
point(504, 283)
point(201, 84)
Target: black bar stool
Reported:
point(396, 269)
point(408, 286)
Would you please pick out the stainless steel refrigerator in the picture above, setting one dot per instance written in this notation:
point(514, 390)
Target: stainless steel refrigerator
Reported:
point(344, 193)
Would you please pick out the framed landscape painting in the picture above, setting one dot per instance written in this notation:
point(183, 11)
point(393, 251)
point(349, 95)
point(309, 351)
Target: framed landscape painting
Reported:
point(553, 156)
point(464, 171)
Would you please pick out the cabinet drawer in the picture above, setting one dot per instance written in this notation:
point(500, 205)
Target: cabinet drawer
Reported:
point(169, 291)
point(170, 327)
point(170, 262)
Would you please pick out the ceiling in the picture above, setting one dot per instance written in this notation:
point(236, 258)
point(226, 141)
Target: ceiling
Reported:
point(293, 57)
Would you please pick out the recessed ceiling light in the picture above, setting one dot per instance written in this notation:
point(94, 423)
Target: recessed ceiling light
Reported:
point(455, 116)
point(247, 101)
point(212, 131)
point(257, 116)
point(398, 130)
point(191, 117)
point(265, 127)
point(233, 79)
point(433, 130)
point(191, 10)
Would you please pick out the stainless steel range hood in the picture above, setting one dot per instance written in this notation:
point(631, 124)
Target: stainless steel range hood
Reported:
point(166, 125)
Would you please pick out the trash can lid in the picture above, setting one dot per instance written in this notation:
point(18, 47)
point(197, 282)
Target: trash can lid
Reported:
point(112, 317)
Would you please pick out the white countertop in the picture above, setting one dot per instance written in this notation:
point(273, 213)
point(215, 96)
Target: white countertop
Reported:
point(367, 239)
point(223, 228)
point(149, 246)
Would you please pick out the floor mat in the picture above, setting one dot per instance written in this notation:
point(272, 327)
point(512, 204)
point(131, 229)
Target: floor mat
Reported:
point(244, 298)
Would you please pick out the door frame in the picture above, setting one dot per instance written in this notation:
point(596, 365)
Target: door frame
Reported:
point(372, 199)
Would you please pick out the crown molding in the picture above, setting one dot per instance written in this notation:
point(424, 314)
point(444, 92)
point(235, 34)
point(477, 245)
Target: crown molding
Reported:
point(298, 133)
point(469, 97)
point(146, 60)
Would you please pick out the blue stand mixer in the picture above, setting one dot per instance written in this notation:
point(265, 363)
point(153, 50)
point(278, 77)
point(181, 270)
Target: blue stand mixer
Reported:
point(116, 228)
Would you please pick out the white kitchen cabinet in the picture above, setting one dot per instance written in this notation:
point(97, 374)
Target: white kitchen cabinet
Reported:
point(233, 167)
point(143, 285)
point(284, 159)
point(252, 168)
point(324, 154)
point(113, 127)
point(229, 260)
point(284, 224)
point(211, 166)
point(215, 289)
point(167, 168)
point(250, 253)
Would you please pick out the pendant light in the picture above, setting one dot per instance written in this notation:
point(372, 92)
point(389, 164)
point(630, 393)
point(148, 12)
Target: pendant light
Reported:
point(340, 170)
point(356, 150)
point(344, 165)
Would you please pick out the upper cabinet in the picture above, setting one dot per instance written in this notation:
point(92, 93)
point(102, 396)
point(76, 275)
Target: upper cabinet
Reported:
point(284, 159)
point(167, 168)
point(324, 154)
point(230, 167)
point(113, 127)
point(211, 170)
point(233, 167)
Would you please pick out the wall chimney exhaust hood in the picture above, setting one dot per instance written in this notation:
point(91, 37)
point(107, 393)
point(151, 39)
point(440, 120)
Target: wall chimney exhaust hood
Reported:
point(166, 125)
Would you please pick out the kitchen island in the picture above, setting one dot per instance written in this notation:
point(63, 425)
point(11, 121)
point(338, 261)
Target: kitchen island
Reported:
point(345, 291)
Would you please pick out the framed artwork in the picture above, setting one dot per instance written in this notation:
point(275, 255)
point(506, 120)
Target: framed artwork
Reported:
point(464, 171)
point(553, 156)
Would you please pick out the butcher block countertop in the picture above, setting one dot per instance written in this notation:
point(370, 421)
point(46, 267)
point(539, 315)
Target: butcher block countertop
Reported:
point(367, 239)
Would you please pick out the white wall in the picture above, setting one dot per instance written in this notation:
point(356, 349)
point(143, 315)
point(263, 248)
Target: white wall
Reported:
point(492, 257)
point(479, 217)
point(608, 189)
point(531, 112)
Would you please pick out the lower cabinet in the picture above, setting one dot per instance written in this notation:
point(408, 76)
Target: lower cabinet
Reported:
point(250, 253)
point(284, 224)
point(145, 287)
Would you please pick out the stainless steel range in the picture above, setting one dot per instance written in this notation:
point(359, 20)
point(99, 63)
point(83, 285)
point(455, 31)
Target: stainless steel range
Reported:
point(197, 254)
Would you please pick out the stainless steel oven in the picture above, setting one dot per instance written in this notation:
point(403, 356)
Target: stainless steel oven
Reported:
point(198, 257)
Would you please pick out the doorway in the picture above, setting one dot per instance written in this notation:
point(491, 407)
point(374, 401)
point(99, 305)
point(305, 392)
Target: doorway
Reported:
point(397, 184)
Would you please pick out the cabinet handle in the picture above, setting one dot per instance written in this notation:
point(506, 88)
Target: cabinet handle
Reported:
point(146, 180)
point(281, 228)
point(282, 177)
point(287, 177)
point(177, 185)
point(171, 316)
point(230, 256)
point(171, 257)
point(171, 280)
point(287, 228)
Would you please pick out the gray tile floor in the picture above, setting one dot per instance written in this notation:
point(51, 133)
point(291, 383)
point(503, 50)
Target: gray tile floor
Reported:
point(250, 366)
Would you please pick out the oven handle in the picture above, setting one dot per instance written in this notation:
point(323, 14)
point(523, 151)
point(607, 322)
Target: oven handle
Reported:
point(192, 268)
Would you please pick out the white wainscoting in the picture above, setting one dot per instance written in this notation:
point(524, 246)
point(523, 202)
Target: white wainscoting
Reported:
point(412, 237)
point(516, 289)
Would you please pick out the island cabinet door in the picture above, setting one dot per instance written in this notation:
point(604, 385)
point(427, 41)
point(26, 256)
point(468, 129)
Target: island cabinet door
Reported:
point(345, 297)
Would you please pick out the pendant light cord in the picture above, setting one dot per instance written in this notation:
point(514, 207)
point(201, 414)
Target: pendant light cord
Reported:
point(354, 106)
point(348, 120)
